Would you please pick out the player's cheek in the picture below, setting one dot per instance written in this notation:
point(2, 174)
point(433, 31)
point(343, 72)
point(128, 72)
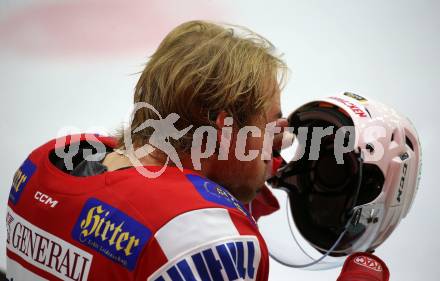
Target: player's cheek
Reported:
point(268, 169)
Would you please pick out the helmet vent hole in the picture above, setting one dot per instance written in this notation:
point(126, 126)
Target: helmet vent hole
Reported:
point(409, 143)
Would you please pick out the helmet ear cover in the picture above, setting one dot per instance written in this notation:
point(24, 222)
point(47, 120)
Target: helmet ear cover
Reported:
point(322, 192)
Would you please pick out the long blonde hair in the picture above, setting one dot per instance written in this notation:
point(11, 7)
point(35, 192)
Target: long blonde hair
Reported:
point(201, 69)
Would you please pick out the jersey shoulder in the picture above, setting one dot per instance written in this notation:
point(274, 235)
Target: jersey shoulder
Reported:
point(153, 226)
point(205, 243)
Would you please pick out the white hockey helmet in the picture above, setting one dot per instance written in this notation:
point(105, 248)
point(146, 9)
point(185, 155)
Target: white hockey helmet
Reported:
point(353, 177)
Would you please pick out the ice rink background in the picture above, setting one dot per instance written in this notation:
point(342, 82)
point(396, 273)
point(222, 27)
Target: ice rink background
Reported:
point(74, 64)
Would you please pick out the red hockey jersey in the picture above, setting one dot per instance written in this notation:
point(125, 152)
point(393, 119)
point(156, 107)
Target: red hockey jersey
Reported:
point(120, 225)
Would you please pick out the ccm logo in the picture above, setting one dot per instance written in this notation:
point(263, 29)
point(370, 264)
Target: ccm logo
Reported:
point(368, 262)
point(45, 199)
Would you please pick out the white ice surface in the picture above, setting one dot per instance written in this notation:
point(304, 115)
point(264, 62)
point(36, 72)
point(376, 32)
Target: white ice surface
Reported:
point(387, 50)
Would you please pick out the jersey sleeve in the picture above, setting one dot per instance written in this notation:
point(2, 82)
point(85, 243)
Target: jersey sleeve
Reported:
point(206, 244)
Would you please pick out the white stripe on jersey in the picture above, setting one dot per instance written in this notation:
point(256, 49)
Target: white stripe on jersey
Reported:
point(45, 250)
point(227, 259)
point(17, 272)
point(188, 230)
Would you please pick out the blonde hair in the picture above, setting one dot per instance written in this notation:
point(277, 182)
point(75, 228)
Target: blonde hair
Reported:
point(201, 69)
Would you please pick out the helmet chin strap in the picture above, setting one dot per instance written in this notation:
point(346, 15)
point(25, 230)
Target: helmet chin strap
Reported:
point(338, 241)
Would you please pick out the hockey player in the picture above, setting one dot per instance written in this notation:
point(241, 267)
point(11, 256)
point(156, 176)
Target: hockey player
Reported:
point(82, 208)
point(103, 220)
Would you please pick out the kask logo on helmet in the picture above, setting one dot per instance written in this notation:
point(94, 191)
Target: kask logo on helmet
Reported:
point(356, 109)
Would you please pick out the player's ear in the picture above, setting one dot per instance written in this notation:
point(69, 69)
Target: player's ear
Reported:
point(221, 119)
point(224, 125)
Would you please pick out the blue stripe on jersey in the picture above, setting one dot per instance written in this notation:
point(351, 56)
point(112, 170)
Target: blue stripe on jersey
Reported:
point(174, 274)
point(233, 260)
point(228, 263)
point(215, 267)
point(201, 267)
point(186, 271)
point(251, 255)
point(240, 260)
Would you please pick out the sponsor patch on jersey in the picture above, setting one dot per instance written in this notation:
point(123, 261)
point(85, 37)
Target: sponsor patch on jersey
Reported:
point(213, 192)
point(231, 259)
point(21, 178)
point(111, 232)
point(45, 250)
